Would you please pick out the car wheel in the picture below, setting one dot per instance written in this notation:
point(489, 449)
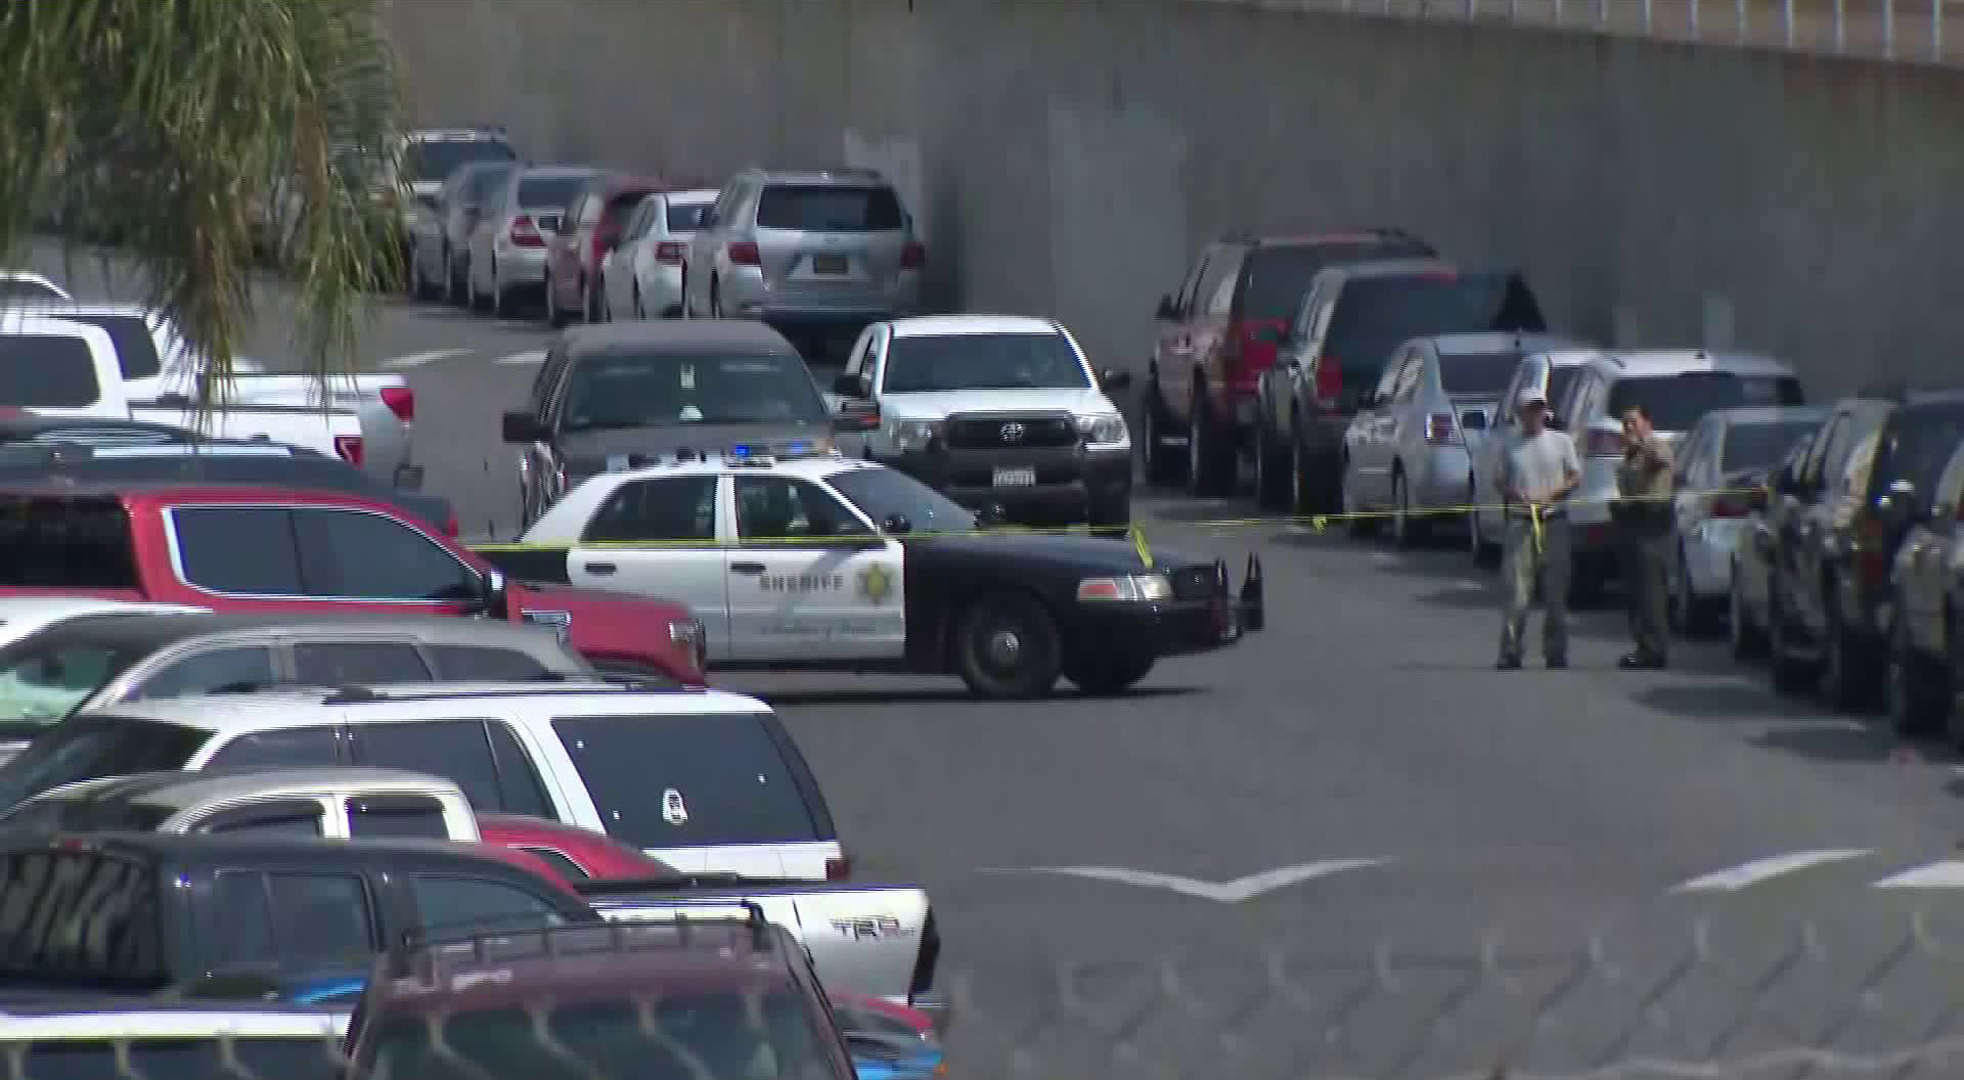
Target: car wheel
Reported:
point(1354, 511)
point(715, 299)
point(1406, 531)
point(500, 299)
point(1790, 676)
point(1302, 493)
point(1006, 647)
point(457, 283)
point(1210, 464)
point(555, 318)
point(1748, 643)
point(1915, 698)
point(1162, 465)
point(590, 297)
point(1844, 683)
point(639, 311)
point(1688, 613)
point(1105, 676)
point(1273, 487)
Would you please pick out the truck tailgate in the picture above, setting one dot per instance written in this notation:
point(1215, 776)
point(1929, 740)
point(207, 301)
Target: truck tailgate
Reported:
point(878, 940)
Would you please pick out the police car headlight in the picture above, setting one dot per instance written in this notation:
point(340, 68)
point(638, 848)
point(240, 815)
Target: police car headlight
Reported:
point(1104, 429)
point(1133, 587)
point(913, 434)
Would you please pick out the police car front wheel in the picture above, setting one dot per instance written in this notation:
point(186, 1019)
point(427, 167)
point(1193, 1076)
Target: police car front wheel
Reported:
point(1006, 647)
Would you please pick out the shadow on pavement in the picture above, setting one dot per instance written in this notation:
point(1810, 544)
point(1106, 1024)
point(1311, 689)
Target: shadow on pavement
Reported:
point(1724, 702)
point(1838, 742)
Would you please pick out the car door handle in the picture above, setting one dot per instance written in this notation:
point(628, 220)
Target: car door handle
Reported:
point(601, 568)
point(746, 568)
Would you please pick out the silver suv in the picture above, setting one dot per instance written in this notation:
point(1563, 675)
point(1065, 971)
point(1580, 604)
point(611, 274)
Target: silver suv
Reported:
point(832, 248)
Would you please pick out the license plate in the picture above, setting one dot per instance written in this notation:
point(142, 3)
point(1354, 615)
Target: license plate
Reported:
point(828, 264)
point(1015, 477)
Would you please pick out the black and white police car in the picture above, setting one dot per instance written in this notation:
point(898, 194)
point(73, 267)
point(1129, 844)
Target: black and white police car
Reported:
point(797, 558)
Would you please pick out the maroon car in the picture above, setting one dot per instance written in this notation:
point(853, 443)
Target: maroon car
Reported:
point(590, 226)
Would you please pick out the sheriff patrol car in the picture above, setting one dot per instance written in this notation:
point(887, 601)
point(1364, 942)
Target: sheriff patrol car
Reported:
point(796, 558)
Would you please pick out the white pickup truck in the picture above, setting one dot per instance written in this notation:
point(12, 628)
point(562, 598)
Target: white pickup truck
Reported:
point(125, 361)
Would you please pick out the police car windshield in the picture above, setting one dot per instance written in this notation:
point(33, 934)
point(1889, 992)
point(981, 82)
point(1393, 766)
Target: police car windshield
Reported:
point(884, 493)
point(982, 362)
point(655, 391)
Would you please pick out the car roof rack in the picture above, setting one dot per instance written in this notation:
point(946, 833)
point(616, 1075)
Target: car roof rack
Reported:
point(427, 944)
point(597, 684)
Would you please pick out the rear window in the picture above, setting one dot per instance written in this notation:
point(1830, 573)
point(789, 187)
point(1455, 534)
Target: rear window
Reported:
point(1477, 374)
point(136, 345)
point(46, 676)
point(28, 289)
point(436, 159)
point(1678, 402)
point(91, 747)
point(549, 193)
point(47, 371)
point(61, 543)
point(687, 781)
point(482, 181)
point(1377, 314)
point(686, 218)
point(830, 208)
point(641, 391)
point(288, 1058)
point(79, 916)
point(1916, 446)
point(1275, 278)
point(1760, 446)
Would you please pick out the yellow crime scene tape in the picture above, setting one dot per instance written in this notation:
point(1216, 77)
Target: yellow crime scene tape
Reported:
point(1313, 522)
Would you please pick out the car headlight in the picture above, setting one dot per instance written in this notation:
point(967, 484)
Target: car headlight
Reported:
point(1104, 429)
point(1129, 587)
point(913, 434)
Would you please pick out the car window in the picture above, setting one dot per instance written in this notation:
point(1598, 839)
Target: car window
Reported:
point(174, 1057)
point(672, 508)
point(463, 905)
point(322, 918)
point(1378, 312)
point(1275, 277)
point(939, 362)
point(1677, 402)
point(299, 818)
point(83, 544)
point(1388, 377)
point(885, 493)
point(239, 550)
point(629, 391)
point(87, 747)
point(294, 747)
point(354, 663)
point(434, 159)
point(685, 218)
point(210, 672)
point(1216, 288)
point(453, 749)
point(830, 208)
point(770, 507)
point(560, 862)
point(49, 675)
point(548, 193)
point(520, 791)
point(1916, 447)
point(484, 183)
point(1950, 485)
point(1189, 288)
point(47, 371)
point(242, 907)
point(82, 815)
point(355, 554)
point(396, 815)
point(482, 663)
point(133, 337)
point(640, 221)
point(28, 289)
point(686, 781)
point(1482, 374)
point(1759, 446)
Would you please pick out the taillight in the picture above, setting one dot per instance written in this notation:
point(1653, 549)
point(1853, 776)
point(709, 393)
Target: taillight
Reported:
point(745, 253)
point(525, 234)
point(669, 252)
point(1727, 506)
point(1329, 382)
point(867, 419)
point(1440, 429)
point(838, 869)
point(1603, 444)
point(450, 528)
point(913, 256)
point(401, 401)
point(348, 448)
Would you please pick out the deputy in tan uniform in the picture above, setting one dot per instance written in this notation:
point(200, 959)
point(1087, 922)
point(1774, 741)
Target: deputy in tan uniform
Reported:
point(1643, 513)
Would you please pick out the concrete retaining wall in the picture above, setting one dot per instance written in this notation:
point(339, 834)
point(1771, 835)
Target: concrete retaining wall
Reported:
point(1066, 156)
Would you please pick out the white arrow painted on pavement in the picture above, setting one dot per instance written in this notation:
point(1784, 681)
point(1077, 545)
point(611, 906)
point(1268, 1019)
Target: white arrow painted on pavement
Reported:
point(414, 359)
point(531, 357)
point(1734, 878)
point(1224, 892)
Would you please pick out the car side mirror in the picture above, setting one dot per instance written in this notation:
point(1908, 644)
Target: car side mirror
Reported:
point(896, 524)
point(1167, 312)
point(1473, 420)
point(523, 427)
point(493, 593)
point(1114, 380)
point(852, 386)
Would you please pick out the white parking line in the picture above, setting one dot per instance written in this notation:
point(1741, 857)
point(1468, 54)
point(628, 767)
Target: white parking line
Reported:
point(1948, 874)
point(1386, 560)
point(397, 363)
point(1734, 878)
point(530, 357)
point(1221, 892)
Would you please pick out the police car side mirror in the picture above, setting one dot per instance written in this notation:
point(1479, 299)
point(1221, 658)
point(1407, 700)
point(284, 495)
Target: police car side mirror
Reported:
point(523, 427)
point(896, 524)
point(852, 386)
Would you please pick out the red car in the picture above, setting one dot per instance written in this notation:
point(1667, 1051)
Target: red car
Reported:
point(252, 550)
point(588, 229)
point(575, 854)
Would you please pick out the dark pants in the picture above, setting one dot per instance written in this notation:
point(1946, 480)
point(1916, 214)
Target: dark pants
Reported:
point(1646, 576)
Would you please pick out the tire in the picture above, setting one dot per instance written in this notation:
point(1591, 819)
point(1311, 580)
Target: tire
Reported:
point(555, 318)
point(639, 311)
point(1305, 492)
point(1027, 666)
point(1273, 486)
point(1106, 676)
point(1362, 524)
point(1845, 682)
point(1916, 691)
point(1790, 676)
point(1407, 529)
point(1748, 640)
point(590, 301)
point(715, 299)
point(421, 288)
point(481, 301)
point(457, 288)
point(1210, 465)
point(1690, 616)
point(1163, 467)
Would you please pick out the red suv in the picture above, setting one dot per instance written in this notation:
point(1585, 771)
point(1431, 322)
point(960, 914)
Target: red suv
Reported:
point(247, 549)
point(1219, 334)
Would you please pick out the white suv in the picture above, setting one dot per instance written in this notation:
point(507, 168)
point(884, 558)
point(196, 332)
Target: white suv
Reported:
point(705, 781)
point(156, 1038)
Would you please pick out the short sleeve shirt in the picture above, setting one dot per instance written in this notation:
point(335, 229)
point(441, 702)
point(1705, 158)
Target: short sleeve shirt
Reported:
point(1539, 462)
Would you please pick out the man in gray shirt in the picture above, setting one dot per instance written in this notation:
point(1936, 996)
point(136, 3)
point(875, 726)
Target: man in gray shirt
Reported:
point(1538, 469)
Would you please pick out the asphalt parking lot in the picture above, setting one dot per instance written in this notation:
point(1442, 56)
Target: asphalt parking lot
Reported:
point(1357, 774)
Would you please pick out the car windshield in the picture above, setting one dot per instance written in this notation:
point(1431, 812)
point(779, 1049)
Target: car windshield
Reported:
point(643, 391)
point(1477, 374)
point(46, 677)
point(884, 493)
point(47, 371)
point(668, 1034)
point(436, 159)
point(1760, 445)
point(684, 218)
point(1276, 276)
point(28, 289)
point(1375, 314)
point(89, 747)
point(1678, 402)
point(549, 192)
point(934, 362)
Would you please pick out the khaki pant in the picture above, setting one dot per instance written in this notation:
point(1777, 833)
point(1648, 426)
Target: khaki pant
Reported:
point(1646, 585)
point(1521, 567)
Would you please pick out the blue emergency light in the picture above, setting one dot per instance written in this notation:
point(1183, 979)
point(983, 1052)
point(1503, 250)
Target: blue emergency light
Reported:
point(740, 451)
